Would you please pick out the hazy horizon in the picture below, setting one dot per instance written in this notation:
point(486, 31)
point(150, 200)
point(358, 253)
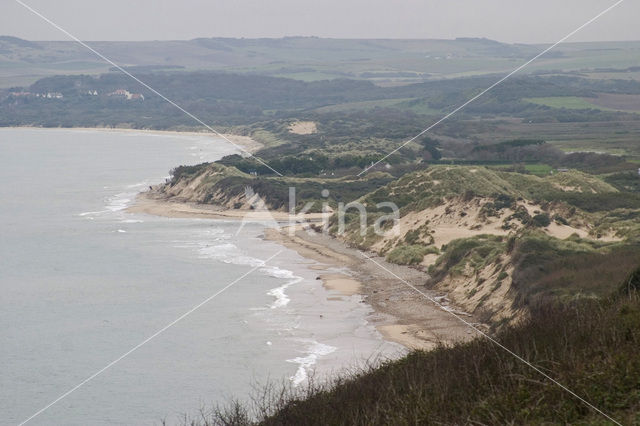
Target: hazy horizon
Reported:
point(507, 22)
point(318, 37)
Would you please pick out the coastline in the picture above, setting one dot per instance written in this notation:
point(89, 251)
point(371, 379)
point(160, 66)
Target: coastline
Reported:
point(400, 315)
point(245, 142)
point(148, 203)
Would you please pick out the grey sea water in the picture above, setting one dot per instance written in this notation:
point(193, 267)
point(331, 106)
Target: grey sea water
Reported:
point(82, 282)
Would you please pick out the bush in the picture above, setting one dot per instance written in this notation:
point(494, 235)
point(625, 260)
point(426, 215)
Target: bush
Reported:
point(541, 220)
point(632, 282)
point(410, 255)
point(560, 220)
point(548, 270)
point(181, 172)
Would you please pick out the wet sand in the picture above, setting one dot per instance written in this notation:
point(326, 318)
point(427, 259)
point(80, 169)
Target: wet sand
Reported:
point(401, 314)
point(155, 204)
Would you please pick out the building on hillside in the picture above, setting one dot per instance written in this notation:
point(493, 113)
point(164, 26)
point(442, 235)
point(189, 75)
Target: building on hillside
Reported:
point(127, 95)
point(49, 95)
point(21, 94)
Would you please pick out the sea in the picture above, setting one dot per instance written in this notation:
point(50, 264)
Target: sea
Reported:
point(113, 318)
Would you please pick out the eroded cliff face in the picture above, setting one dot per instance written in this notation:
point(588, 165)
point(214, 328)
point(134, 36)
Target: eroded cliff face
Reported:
point(209, 184)
point(459, 225)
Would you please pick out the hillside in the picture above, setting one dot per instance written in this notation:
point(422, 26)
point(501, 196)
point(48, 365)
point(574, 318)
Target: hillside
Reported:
point(218, 184)
point(306, 58)
point(499, 242)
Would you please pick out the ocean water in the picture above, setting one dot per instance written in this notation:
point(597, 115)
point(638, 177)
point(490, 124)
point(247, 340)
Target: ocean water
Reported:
point(82, 282)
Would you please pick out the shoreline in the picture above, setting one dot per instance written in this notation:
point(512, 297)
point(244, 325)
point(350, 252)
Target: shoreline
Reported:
point(147, 203)
point(400, 315)
point(245, 142)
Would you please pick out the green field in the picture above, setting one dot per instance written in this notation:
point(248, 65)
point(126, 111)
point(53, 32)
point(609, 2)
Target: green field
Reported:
point(362, 105)
point(538, 169)
point(418, 106)
point(568, 102)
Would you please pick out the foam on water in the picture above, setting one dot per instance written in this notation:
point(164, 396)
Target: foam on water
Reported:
point(83, 214)
point(276, 272)
point(124, 199)
point(215, 244)
point(227, 252)
point(279, 293)
point(314, 350)
point(120, 201)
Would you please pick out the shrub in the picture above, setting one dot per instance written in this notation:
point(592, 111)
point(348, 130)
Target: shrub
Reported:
point(632, 282)
point(548, 269)
point(560, 220)
point(541, 220)
point(410, 255)
point(412, 236)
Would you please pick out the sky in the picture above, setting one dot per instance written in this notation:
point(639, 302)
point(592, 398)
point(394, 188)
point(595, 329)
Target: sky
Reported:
point(512, 21)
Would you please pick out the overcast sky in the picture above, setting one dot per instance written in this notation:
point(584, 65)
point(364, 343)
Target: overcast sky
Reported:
point(529, 21)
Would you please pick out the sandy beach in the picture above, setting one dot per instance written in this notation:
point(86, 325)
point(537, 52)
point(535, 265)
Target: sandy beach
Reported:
point(401, 315)
point(155, 204)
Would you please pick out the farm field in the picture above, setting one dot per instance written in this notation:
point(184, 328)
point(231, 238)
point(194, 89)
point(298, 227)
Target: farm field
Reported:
point(568, 102)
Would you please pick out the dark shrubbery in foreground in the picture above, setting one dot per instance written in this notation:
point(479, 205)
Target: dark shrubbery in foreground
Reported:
point(547, 270)
point(591, 347)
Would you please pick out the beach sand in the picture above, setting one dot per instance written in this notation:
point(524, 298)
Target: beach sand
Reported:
point(341, 283)
point(154, 204)
point(401, 314)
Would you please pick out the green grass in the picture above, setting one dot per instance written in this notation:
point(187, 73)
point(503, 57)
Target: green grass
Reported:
point(309, 76)
point(568, 102)
point(538, 169)
point(411, 254)
point(364, 105)
point(547, 269)
point(477, 252)
point(414, 191)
